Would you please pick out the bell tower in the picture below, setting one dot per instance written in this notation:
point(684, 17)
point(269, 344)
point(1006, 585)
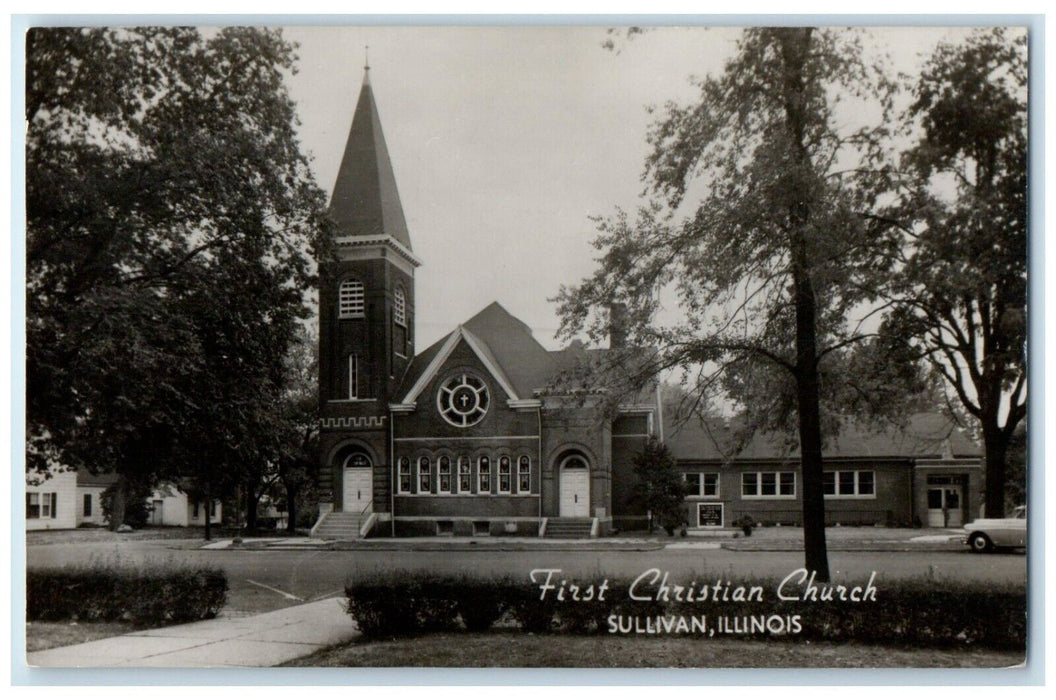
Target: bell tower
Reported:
point(366, 317)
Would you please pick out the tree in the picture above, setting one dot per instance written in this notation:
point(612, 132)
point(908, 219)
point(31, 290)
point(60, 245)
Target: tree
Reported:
point(768, 265)
point(298, 460)
point(172, 223)
point(659, 488)
point(962, 301)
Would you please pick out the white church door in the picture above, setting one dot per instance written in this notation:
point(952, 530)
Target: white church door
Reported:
point(358, 483)
point(575, 488)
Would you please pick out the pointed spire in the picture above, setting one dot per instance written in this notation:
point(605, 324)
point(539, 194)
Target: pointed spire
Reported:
point(365, 200)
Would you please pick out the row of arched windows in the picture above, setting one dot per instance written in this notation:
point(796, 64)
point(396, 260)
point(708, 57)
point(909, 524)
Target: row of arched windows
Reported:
point(484, 476)
point(350, 302)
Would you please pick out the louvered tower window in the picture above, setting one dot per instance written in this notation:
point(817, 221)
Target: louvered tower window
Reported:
point(350, 299)
point(399, 308)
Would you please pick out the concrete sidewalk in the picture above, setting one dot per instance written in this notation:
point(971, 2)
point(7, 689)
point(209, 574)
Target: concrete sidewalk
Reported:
point(255, 641)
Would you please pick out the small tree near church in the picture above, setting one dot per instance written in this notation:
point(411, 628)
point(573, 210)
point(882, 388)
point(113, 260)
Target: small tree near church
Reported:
point(659, 488)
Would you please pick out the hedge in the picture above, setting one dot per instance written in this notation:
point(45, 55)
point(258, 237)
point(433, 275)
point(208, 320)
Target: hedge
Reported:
point(914, 612)
point(108, 593)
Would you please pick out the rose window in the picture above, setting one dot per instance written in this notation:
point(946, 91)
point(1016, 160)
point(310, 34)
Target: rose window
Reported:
point(463, 400)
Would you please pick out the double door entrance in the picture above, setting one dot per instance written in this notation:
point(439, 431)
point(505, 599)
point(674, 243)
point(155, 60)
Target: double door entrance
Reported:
point(945, 507)
point(358, 488)
point(575, 488)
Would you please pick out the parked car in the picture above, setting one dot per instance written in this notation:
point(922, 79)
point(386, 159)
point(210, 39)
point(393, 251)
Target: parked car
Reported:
point(987, 534)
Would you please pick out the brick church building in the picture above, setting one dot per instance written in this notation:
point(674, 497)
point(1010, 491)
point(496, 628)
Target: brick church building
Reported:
point(468, 437)
point(462, 437)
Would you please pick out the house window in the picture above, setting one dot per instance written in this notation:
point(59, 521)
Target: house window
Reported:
point(484, 475)
point(711, 484)
point(444, 471)
point(87, 505)
point(692, 483)
point(350, 299)
point(524, 474)
point(404, 483)
point(425, 477)
point(214, 507)
point(768, 485)
point(194, 510)
point(465, 476)
point(41, 505)
point(849, 484)
point(399, 308)
point(505, 475)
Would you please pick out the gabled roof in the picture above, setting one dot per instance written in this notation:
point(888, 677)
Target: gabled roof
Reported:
point(365, 202)
point(925, 435)
point(503, 343)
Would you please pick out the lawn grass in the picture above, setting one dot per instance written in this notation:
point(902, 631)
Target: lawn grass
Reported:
point(518, 650)
point(48, 635)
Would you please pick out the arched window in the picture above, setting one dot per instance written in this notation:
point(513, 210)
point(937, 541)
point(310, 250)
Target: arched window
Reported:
point(404, 483)
point(524, 474)
point(425, 477)
point(484, 475)
point(399, 307)
point(465, 476)
point(350, 299)
point(505, 474)
point(444, 474)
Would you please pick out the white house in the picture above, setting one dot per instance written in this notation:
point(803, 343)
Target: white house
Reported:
point(68, 499)
point(170, 505)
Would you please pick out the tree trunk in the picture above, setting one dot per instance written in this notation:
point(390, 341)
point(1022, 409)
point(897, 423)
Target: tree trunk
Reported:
point(117, 503)
point(809, 406)
point(251, 511)
point(291, 508)
point(995, 445)
point(208, 513)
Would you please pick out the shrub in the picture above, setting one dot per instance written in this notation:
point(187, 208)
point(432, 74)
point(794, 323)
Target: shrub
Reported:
point(106, 593)
point(907, 612)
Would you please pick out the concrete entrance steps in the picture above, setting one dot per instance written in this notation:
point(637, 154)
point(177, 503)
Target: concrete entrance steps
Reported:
point(339, 526)
point(568, 528)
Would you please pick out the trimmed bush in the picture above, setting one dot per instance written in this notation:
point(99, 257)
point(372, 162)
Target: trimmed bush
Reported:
point(907, 612)
point(109, 593)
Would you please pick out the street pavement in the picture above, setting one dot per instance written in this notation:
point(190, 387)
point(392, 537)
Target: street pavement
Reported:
point(262, 640)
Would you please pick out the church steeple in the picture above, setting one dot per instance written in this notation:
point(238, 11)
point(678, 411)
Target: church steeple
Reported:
point(365, 202)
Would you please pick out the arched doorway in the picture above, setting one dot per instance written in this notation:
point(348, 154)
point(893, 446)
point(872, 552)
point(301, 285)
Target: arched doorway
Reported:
point(574, 475)
point(358, 488)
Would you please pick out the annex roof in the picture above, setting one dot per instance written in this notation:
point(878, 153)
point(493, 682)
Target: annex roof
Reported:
point(925, 435)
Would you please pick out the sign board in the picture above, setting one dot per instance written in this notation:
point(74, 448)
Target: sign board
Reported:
point(709, 514)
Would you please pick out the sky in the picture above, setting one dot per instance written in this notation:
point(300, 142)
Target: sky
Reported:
point(505, 142)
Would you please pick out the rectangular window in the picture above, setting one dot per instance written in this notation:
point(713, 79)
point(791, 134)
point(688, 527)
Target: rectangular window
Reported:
point(505, 475)
point(444, 471)
point(87, 505)
point(465, 476)
point(693, 484)
point(524, 475)
point(214, 508)
point(849, 483)
point(33, 505)
point(711, 485)
point(194, 511)
point(484, 475)
point(404, 482)
point(425, 476)
point(353, 376)
point(48, 505)
point(768, 485)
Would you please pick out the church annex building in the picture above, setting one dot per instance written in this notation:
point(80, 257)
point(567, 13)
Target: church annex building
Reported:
point(463, 438)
